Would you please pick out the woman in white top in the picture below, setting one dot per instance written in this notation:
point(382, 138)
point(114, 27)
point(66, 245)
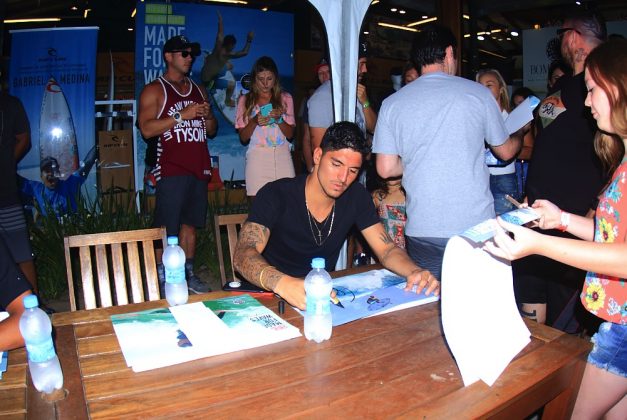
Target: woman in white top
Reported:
point(503, 179)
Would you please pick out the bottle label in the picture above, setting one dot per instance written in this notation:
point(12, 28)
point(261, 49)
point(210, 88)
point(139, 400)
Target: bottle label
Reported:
point(40, 352)
point(318, 306)
point(175, 276)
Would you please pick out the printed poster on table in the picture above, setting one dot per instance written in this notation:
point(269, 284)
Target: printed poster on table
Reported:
point(272, 35)
point(53, 72)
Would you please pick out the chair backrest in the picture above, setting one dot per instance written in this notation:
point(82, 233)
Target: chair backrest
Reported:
point(109, 250)
point(233, 223)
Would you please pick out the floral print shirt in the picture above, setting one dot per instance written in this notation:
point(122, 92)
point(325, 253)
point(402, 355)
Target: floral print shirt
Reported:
point(606, 296)
point(268, 135)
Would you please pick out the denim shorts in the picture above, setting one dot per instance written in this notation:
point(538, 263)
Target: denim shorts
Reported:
point(610, 349)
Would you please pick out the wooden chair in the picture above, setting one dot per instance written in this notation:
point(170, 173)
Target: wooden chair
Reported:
point(110, 250)
point(233, 223)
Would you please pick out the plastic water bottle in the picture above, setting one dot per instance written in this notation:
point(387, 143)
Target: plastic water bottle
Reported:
point(318, 286)
point(43, 362)
point(176, 292)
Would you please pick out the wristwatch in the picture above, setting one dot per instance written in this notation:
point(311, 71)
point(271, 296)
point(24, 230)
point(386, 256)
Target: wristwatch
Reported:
point(178, 117)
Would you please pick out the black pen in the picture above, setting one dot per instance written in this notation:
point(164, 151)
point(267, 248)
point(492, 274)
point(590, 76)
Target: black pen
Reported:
point(336, 301)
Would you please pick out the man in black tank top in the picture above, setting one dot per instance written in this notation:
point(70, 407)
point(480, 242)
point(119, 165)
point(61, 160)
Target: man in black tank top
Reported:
point(174, 109)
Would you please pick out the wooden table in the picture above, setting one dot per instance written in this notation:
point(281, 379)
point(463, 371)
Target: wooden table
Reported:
point(393, 365)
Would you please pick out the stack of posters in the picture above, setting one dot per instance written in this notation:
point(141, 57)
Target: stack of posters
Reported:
point(372, 293)
point(167, 336)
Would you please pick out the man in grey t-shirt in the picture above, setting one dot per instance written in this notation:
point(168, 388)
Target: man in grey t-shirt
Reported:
point(432, 132)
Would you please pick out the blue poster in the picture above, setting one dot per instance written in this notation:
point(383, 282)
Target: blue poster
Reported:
point(271, 34)
point(53, 72)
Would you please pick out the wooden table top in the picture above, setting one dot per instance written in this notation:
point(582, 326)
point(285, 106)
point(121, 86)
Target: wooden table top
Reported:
point(390, 365)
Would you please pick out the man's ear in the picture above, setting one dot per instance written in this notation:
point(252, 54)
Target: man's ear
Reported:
point(317, 155)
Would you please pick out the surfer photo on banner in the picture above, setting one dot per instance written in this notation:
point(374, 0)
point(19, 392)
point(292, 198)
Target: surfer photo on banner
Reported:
point(216, 73)
point(54, 192)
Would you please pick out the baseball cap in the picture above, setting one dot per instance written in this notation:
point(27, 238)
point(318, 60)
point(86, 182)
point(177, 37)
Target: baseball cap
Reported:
point(323, 62)
point(181, 43)
point(49, 164)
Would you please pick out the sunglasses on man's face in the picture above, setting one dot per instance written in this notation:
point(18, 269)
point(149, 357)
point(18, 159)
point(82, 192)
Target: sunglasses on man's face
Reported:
point(186, 53)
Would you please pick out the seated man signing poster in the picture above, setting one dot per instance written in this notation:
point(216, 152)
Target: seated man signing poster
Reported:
point(296, 219)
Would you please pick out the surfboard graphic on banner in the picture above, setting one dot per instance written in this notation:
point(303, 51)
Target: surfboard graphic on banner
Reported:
point(57, 137)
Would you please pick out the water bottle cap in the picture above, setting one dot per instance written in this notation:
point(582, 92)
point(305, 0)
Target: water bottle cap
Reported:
point(173, 240)
point(31, 301)
point(318, 263)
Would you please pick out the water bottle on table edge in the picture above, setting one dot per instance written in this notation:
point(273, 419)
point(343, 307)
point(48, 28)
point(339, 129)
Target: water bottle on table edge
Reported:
point(318, 286)
point(173, 259)
point(43, 362)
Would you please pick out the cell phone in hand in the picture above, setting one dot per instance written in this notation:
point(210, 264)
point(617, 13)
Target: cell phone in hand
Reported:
point(265, 110)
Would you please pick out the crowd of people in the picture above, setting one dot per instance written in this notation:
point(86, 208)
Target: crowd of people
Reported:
point(444, 161)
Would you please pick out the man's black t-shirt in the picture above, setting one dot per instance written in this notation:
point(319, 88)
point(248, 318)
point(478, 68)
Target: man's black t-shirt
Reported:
point(564, 167)
point(12, 282)
point(280, 206)
point(13, 121)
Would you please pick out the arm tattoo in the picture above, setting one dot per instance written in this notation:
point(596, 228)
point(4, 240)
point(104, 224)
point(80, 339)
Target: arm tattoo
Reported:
point(248, 260)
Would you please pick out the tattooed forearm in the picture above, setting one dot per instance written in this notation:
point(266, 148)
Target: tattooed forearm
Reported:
point(248, 260)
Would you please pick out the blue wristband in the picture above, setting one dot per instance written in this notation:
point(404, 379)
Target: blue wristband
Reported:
point(280, 120)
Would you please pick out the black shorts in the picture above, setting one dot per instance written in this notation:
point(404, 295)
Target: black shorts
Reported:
point(181, 200)
point(14, 233)
point(538, 279)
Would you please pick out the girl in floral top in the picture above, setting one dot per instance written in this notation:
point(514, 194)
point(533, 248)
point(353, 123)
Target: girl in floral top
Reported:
point(604, 249)
point(265, 121)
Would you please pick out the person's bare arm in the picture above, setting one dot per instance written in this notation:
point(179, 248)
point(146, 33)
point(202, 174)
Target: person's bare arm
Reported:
point(249, 262)
point(527, 147)
point(389, 166)
point(315, 135)
point(306, 147)
point(10, 336)
point(211, 123)
point(243, 51)
point(510, 149)
point(396, 259)
point(22, 145)
point(369, 114)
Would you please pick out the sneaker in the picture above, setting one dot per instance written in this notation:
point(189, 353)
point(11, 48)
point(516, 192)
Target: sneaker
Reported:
point(195, 285)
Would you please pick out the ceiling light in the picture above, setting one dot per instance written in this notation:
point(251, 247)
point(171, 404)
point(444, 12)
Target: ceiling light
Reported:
point(134, 12)
point(74, 8)
point(31, 20)
point(393, 9)
point(508, 38)
point(420, 22)
point(493, 53)
point(536, 26)
point(129, 29)
point(514, 33)
point(466, 16)
point(85, 13)
point(404, 28)
point(466, 35)
point(494, 31)
point(366, 33)
point(374, 1)
point(229, 1)
point(402, 12)
point(480, 37)
point(264, 9)
point(578, 3)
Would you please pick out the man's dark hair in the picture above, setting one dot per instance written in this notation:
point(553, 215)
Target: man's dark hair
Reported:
point(430, 44)
point(229, 40)
point(345, 135)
